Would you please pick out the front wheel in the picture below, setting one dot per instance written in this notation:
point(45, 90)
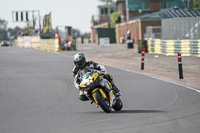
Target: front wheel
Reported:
point(102, 102)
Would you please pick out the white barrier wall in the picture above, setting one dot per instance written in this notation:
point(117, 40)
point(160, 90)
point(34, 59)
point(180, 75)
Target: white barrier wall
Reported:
point(28, 41)
point(104, 41)
point(37, 43)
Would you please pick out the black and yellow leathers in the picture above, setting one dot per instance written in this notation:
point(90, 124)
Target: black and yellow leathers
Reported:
point(99, 90)
point(79, 72)
point(90, 65)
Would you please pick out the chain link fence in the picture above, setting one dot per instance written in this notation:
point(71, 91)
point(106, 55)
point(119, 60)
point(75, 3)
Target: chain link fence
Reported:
point(181, 28)
point(176, 29)
point(153, 32)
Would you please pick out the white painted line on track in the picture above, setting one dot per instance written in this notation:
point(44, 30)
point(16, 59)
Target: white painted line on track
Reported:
point(156, 78)
point(174, 100)
point(141, 74)
point(63, 55)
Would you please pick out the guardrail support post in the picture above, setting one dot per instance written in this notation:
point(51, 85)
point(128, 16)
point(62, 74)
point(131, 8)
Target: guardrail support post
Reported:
point(180, 66)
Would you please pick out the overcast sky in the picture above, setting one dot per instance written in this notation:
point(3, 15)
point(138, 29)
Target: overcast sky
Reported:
point(75, 13)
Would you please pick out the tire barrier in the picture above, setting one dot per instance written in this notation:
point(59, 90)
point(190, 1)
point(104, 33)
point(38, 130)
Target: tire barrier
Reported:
point(172, 47)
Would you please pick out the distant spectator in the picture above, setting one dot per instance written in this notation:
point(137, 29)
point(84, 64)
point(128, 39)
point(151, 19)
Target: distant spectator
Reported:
point(34, 32)
point(38, 31)
point(19, 33)
point(128, 35)
point(122, 39)
point(57, 36)
point(68, 45)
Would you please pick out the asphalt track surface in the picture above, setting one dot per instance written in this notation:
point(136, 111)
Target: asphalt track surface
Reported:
point(37, 96)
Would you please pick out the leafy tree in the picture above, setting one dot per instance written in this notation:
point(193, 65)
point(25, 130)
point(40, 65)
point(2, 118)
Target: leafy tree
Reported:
point(8, 33)
point(196, 4)
point(85, 35)
point(13, 33)
point(3, 35)
point(115, 18)
point(3, 24)
point(3, 28)
point(76, 33)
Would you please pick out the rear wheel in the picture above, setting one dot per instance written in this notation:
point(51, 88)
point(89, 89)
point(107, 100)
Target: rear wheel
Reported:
point(103, 103)
point(117, 104)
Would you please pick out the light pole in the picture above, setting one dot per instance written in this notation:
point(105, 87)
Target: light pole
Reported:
point(127, 11)
point(187, 3)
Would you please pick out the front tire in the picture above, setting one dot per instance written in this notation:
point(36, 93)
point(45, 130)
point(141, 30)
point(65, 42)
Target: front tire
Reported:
point(101, 102)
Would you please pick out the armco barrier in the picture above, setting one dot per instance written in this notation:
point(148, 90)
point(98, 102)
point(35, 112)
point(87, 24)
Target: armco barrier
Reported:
point(172, 47)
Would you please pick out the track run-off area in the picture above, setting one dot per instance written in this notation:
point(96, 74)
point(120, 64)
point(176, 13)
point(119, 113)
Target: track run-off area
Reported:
point(37, 95)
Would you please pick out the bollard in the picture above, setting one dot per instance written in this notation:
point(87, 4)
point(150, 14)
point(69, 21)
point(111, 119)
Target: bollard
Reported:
point(75, 45)
point(142, 58)
point(180, 66)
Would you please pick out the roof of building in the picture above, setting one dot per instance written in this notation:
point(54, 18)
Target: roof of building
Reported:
point(107, 5)
point(168, 13)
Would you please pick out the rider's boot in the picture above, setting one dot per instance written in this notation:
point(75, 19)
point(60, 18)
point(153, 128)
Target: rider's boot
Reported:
point(82, 96)
point(116, 90)
point(114, 87)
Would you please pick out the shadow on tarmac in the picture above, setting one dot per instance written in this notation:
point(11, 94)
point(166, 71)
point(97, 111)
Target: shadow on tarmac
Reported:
point(126, 112)
point(137, 111)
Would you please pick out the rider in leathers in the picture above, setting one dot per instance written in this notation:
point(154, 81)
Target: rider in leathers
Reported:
point(82, 66)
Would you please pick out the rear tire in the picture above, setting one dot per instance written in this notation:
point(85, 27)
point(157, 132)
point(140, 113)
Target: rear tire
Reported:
point(117, 104)
point(101, 102)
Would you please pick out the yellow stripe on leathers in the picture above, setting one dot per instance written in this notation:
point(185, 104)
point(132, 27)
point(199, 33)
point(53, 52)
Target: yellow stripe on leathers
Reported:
point(94, 76)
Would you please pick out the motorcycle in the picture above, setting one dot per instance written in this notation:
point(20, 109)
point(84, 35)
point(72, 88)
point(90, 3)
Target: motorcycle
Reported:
point(99, 91)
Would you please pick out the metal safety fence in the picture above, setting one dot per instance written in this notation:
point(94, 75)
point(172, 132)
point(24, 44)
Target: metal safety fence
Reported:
point(175, 29)
point(181, 28)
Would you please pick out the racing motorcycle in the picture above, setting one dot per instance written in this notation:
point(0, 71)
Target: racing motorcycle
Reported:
point(99, 91)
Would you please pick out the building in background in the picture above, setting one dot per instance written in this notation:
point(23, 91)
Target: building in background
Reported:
point(104, 13)
point(103, 20)
point(132, 10)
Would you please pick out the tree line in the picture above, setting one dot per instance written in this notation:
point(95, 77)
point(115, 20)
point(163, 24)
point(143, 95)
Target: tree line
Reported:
point(8, 33)
point(12, 33)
